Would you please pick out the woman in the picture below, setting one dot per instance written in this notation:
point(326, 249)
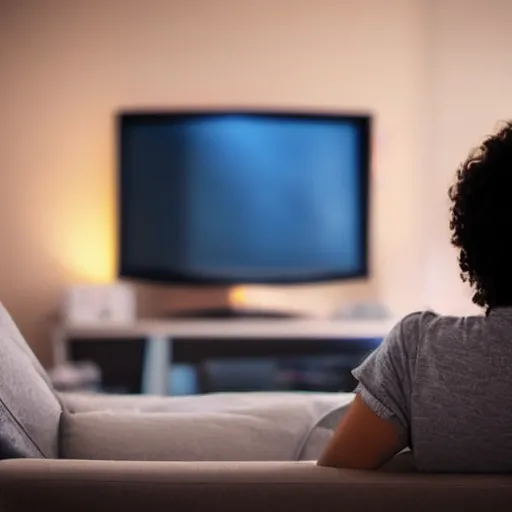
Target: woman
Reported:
point(440, 385)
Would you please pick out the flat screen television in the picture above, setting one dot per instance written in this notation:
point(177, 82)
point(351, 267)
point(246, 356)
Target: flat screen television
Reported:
point(243, 197)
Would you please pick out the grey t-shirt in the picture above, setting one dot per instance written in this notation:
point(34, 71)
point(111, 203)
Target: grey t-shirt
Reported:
point(446, 382)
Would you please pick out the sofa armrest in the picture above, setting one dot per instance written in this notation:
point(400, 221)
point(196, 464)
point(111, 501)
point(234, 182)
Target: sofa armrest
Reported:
point(63, 485)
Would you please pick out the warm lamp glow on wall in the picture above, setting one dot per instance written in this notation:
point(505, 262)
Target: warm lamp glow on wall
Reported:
point(86, 245)
point(92, 260)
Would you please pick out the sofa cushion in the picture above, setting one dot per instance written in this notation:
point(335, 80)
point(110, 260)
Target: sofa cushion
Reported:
point(224, 427)
point(325, 405)
point(29, 410)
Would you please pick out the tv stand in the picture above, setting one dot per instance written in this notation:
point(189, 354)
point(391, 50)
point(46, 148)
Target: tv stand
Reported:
point(163, 336)
point(227, 313)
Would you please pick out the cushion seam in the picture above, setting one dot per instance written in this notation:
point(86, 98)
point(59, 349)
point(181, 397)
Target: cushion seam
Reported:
point(20, 427)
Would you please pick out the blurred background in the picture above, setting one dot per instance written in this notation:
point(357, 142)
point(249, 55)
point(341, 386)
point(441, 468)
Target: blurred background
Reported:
point(436, 76)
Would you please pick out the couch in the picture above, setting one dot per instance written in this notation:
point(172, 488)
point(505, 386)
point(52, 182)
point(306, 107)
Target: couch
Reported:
point(249, 452)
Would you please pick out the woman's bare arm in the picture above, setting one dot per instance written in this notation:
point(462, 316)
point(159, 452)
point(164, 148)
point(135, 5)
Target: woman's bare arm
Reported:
point(362, 440)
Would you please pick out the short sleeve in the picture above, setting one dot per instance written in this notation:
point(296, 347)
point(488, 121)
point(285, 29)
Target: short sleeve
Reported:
point(386, 377)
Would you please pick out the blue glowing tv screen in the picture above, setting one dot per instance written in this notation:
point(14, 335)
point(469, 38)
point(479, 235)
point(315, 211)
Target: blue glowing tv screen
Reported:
point(243, 197)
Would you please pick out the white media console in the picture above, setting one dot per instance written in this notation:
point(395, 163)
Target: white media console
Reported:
point(160, 334)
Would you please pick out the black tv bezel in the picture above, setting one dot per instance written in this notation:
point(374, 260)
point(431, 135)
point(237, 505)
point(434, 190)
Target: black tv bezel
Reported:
point(125, 271)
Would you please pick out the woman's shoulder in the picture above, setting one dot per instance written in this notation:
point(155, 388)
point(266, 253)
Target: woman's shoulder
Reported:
point(428, 332)
point(419, 322)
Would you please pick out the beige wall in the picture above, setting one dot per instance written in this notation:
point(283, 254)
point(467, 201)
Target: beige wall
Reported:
point(471, 70)
point(67, 65)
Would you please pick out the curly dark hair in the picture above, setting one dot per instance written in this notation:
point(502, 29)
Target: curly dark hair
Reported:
point(481, 220)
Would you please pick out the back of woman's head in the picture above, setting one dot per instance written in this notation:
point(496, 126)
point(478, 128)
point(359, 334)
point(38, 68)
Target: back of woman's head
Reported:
point(481, 220)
